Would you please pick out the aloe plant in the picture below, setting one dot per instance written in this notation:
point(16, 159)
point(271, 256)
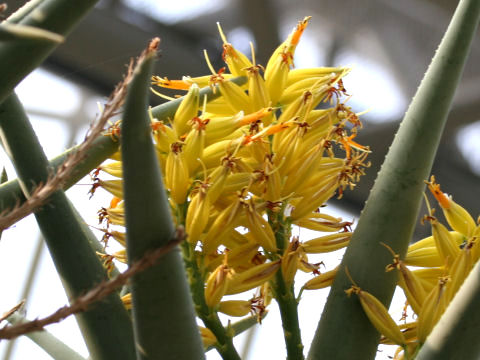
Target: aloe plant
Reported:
point(249, 150)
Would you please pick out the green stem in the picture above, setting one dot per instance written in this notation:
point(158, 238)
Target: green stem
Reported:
point(284, 293)
point(210, 318)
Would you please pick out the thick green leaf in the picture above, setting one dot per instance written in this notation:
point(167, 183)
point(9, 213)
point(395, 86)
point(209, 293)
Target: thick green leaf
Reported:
point(391, 211)
point(106, 326)
point(164, 317)
point(19, 58)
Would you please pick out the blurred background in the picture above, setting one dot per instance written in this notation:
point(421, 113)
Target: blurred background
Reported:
point(388, 43)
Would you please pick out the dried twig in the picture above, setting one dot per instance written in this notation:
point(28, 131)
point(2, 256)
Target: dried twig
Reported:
point(96, 294)
point(12, 310)
point(42, 192)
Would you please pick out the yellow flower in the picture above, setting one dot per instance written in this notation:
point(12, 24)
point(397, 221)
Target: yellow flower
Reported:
point(258, 158)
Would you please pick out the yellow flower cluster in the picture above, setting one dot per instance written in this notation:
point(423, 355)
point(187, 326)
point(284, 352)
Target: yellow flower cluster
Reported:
point(441, 263)
point(257, 160)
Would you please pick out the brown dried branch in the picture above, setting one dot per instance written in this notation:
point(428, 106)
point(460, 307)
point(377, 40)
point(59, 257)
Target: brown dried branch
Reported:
point(96, 294)
point(12, 310)
point(42, 192)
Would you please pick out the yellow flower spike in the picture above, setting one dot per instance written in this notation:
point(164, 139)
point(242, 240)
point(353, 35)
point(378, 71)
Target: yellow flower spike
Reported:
point(457, 217)
point(429, 277)
point(296, 75)
point(235, 60)
point(283, 141)
point(252, 278)
point(298, 109)
point(260, 228)
point(121, 256)
point(220, 127)
point(195, 143)
point(256, 89)
point(290, 43)
point(235, 97)
point(327, 243)
point(412, 287)
point(324, 223)
point(234, 239)
point(430, 242)
point(313, 176)
point(278, 66)
point(257, 150)
point(223, 224)
point(290, 261)
point(233, 94)
point(114, 187)
point(410, 348)
point(266, 294)
point(316, 85)
point(208, 338)
point(216, 285)
point(424, 257)
point(114, 216)
point(176, 174)
point(321, 281)
point(445, 244)
point(113, 168)
point(378, 315)
point(235, 308)
point(311, 201)
point(218, 107)
point(409, 331)
point(119, 236)
point(276, 76)
point(433, 307)
point(410, 284)
point(197, 214)
point(256, 84)
point(164, 136)
point(187, 110)
point(127, 301)
point(233, 184)
point(459, 270)
point(269, 180)
point(241, 255)
point(215, 153)
point(303, 169)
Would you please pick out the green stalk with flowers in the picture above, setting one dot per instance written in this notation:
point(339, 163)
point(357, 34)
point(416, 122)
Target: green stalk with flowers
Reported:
point(247, 154)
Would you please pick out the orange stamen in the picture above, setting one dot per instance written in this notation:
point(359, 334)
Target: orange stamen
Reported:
point(299, 30)
point(348, 143)
point(170, 84)
point(114, 202)
point(441, 197)
point(250, 118)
